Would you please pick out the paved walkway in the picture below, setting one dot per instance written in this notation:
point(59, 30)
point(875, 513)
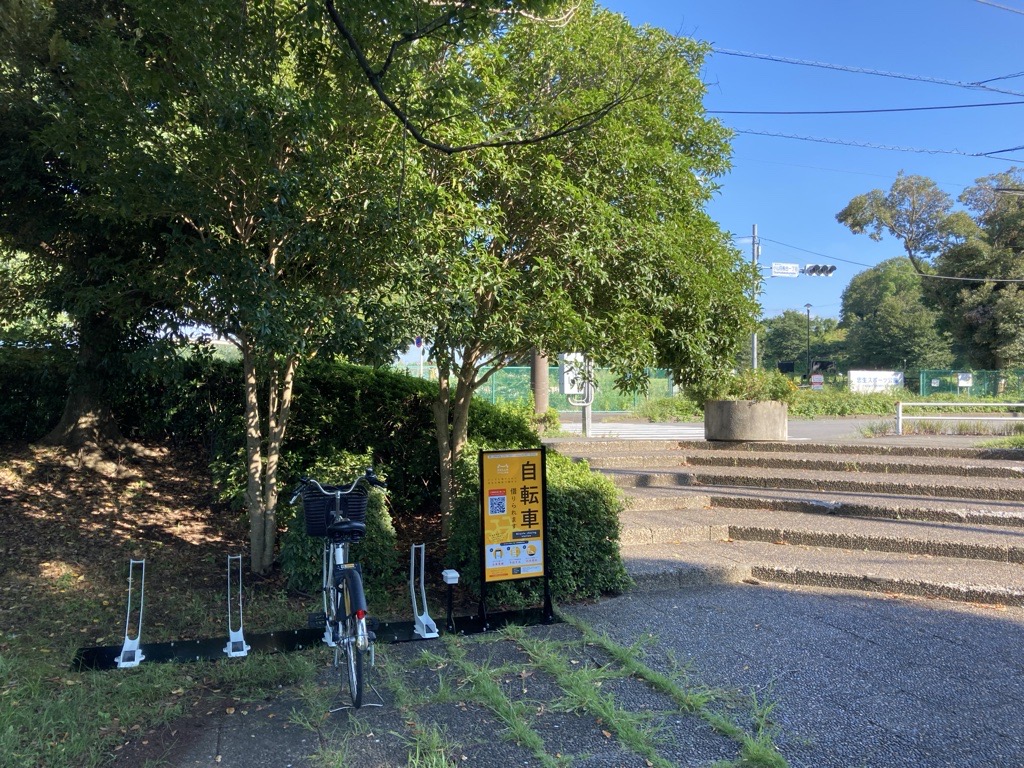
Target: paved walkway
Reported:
point(639, 431)
point(853, 680)
point(858, 680)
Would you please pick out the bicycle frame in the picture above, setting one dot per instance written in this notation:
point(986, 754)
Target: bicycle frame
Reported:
point(343, 580)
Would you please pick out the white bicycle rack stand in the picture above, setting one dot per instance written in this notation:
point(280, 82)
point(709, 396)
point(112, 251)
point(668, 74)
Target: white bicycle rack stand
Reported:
point(131, 654)
point(424, 625)
point(236, 641)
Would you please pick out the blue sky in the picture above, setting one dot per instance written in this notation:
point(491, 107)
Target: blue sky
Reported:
point(792, 189)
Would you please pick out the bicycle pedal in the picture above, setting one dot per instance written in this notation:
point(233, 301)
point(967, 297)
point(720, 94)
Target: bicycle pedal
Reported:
point(316, 621)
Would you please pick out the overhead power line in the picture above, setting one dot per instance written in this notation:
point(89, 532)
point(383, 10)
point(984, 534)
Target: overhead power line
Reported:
point(889, 147)
point(1001, 7)
point(813, 253)
point(1002, 77)
point(974, 86)
point(916, 269)
point(973, 279)
point(860, 111)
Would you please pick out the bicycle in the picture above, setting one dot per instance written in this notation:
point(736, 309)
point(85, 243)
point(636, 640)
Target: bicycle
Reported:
point(338, 514)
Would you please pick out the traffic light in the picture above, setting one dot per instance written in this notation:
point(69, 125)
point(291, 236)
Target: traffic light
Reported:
point(819, 270)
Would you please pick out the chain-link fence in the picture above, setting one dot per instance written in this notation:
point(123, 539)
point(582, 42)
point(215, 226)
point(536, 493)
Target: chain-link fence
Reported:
point(1007, 384)
point(512, 384)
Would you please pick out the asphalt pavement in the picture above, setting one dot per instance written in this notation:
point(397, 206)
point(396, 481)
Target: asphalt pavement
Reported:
point(856, 679)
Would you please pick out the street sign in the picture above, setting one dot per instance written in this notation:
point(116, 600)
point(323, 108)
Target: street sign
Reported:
point(780, 269)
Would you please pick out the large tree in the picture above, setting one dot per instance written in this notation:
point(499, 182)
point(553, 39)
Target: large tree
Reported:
point(594, 241)
point(980, 291)
point(914, 210)
point(231, 123)
point(888, 324)
point(975, 260)
point(79, 263)
point(791, 336)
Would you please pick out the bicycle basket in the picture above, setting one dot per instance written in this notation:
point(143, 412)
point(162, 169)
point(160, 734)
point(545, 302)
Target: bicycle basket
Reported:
point(319, 508)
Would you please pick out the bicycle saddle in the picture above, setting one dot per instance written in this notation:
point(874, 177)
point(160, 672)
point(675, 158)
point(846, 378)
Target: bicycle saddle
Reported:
point(339, 528)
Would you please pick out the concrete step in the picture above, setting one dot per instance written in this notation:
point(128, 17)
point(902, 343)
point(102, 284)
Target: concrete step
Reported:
point(902, 447)
point(1000, 544)
point(988, 489)
point(668, 566)
point(868, 505)
point(837, 462)
point(891, 446)
point(671, 526)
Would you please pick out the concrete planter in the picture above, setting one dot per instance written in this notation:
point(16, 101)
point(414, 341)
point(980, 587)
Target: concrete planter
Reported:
point(746, 420)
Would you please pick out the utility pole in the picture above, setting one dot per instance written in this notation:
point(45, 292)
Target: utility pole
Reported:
point(808, 306)
point(755, 250)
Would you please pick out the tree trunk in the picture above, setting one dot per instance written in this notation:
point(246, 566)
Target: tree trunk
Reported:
point(539, 376)
point(88, 418)
point(279, 411)
point(254, 465)
point(451, 428)
point(442, 432)
point(261, 492)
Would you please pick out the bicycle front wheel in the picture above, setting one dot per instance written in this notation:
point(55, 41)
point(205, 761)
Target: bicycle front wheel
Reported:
point(354, 665)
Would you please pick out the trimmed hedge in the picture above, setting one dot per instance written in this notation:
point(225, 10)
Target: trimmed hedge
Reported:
point(344, 418)
point(583, 511)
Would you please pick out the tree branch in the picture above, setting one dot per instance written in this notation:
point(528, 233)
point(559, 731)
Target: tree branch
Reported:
point(375, 79)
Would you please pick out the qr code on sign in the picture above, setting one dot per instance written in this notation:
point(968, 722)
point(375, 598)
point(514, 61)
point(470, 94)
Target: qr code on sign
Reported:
point(496, 505)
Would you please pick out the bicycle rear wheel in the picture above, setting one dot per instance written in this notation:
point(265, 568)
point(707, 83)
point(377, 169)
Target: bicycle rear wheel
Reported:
point(354, 664)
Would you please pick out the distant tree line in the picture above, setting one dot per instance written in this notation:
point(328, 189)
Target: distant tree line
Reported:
point(956, 299)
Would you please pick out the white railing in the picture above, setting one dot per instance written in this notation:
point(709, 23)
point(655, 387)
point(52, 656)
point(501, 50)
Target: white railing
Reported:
point(900, 418)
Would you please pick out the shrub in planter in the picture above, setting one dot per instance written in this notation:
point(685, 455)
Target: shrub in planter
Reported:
point(583, 536)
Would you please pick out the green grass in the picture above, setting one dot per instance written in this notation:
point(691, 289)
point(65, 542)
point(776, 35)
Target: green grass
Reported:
point(756, 748)
point(52, 716)
point(1014, 441)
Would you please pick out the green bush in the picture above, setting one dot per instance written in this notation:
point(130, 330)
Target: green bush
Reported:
point(583, 511)
point(377, 413)
point(34, 383)
point(809, 403)
point(189, 399)
point(758, 385)
point(661, 409)
point(301, 555)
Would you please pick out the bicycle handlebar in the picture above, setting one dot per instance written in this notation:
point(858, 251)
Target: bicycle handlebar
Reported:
point(369, 478)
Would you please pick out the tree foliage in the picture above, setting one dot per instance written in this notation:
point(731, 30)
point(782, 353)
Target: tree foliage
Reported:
point(229, 131)
point(888, 324)
point(975, 256)
point(793, 336)
point(594, 241)
point(981, 307)
point(73, 261)
point(914, 210)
